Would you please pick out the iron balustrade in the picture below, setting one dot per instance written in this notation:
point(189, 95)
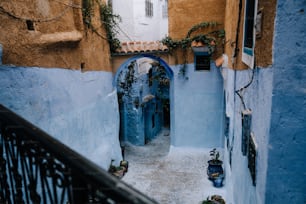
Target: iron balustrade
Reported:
point(37, 168)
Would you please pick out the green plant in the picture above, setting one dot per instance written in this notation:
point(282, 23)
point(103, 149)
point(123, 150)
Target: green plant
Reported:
point(110, 22)
point(87, 12)
point(214, 154)
point(210, 39)
point(205, 38)
point(214, 199)
point(125, 81)
point(108, 19)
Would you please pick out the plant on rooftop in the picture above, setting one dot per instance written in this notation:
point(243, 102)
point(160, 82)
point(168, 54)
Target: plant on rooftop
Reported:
point(210, 39)
point(205, 38)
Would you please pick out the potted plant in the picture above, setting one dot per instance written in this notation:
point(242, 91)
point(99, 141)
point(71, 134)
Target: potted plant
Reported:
point(215, 199)
point(204, 44)
point(214, 164)
point(218, 180)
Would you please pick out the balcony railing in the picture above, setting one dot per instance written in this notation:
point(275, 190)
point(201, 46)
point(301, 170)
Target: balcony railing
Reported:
point(36, 168)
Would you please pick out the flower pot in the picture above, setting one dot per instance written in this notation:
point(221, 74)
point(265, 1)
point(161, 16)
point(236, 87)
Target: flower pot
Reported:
point(200, 49)
point(218, 181)
point(214, 168)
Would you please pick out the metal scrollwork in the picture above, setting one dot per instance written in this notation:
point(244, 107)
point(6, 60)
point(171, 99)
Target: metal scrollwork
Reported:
point(36, 168)
point(34, 175)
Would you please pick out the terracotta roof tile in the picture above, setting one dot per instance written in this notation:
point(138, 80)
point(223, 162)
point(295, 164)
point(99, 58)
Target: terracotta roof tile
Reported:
point(141, 47)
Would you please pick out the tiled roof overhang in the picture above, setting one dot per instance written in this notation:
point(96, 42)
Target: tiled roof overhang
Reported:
point(132, 47)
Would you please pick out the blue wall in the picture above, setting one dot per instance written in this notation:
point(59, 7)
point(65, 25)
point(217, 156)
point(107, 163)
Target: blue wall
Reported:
point(198, 108)
point(141, 120)
point(277, 97)
point(196, 105)
point(257, 97)
point(79, 109)
point(286, 181)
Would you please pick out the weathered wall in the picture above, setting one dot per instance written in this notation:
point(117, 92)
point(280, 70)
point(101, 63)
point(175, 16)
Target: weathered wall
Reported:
point(286, 182)
point(59, 38)
point(277, 98)
point(232, 23)
point(185, 14)
point(79, 109)
point(264, 44)
point(257, 97)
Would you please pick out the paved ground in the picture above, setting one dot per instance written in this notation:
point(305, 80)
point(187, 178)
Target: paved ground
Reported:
point(170, 175)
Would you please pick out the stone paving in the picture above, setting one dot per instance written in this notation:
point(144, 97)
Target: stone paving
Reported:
point(170, 175)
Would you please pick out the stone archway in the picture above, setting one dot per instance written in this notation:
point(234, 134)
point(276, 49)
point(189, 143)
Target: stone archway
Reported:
point(144, 87)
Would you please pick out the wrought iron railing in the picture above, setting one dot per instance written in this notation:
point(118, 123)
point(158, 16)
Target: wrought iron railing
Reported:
point(36, 168)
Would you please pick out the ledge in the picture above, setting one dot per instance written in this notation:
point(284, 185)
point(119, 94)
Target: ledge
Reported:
point(60, 37)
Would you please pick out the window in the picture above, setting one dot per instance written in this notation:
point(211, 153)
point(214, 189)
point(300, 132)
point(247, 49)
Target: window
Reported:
point(249, 32)
point(150, 77)
point(202, 62)
point(252, 157)
point(246, 119)
point(149, 8)
point(30, 25)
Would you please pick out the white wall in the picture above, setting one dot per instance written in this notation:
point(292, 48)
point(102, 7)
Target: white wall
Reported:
point(125, 9)
point(135, 26)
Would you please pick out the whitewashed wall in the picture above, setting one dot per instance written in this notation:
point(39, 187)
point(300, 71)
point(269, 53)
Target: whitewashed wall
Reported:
point(135, 26)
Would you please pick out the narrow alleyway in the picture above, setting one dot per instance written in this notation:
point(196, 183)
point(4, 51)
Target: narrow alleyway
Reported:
point(170, 175)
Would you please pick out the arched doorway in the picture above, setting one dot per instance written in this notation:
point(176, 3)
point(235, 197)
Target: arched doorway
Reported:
point(144, 85)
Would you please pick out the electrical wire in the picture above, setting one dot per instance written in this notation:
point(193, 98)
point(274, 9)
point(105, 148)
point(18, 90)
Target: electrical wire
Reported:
point(69, 4)
point(239, 91)
point(9, 13)
point(124, 32)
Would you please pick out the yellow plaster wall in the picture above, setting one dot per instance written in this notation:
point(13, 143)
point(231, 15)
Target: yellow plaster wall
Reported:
point(263, 46)
point(59, 39)
point(183, 15)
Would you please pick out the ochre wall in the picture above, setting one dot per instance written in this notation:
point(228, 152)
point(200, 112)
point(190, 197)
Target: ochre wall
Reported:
point(183, 15)
point(263, 46)
point(59, 39)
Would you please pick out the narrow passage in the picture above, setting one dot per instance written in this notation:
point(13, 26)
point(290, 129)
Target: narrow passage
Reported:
point(170, 175)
